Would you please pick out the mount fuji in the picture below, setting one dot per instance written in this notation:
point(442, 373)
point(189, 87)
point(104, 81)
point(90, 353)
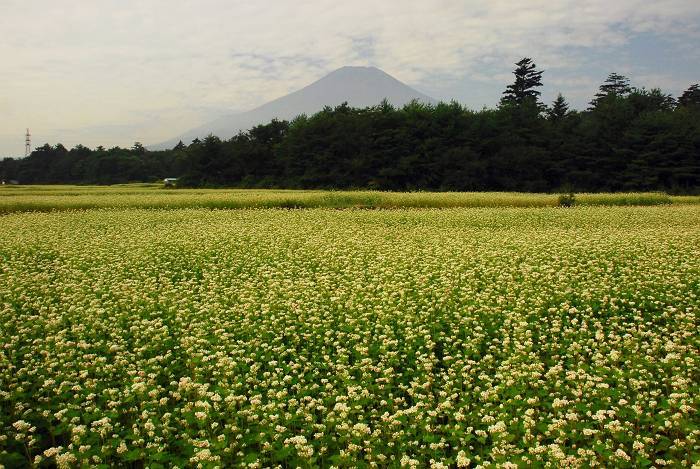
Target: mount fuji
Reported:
point(359, 86)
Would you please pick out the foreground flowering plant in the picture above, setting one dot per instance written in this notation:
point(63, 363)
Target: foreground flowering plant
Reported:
point(405, 338)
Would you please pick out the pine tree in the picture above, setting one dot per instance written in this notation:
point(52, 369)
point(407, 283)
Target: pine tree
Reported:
point(690, 97)
point(559, 109)
point(614, 85)
point(527, 79)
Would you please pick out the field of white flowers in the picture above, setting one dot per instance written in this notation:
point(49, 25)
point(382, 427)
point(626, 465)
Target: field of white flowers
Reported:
point(495, 337)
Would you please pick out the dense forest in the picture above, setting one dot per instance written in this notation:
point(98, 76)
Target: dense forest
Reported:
point(628, 139)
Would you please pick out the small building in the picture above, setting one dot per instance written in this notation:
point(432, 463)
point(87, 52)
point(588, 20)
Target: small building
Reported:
point(170, 182)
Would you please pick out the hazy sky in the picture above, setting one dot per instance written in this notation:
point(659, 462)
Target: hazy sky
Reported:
point(114, 72)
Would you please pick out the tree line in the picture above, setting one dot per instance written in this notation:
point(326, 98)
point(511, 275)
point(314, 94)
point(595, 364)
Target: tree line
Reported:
point(628, 139)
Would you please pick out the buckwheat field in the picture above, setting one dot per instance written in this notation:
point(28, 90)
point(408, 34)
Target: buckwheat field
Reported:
point(462, 337)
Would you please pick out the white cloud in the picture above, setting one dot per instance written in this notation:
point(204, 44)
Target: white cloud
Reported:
point(76, 64)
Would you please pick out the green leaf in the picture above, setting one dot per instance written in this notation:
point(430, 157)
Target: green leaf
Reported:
point(251, 457)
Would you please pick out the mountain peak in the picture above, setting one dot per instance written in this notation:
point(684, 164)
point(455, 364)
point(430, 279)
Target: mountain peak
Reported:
point(359, 86)
point(358, 71)
point(357, 68)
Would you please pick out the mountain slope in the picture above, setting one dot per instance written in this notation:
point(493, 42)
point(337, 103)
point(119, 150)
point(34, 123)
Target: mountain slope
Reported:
point(359, 86)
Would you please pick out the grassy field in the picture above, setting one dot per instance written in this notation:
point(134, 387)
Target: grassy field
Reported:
point(53, 198)
point(358, 338)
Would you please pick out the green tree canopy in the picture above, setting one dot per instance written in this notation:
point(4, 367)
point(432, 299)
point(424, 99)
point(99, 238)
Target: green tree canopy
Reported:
point(691, 96)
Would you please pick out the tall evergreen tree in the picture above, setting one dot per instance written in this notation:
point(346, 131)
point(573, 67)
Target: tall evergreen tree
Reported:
point(527, 80)
point(690, 97)
point(614, 85)
point(559, 109)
